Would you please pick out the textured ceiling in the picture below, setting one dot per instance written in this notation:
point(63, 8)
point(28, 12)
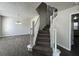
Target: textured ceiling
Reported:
point(18, 9)
point(62, 5)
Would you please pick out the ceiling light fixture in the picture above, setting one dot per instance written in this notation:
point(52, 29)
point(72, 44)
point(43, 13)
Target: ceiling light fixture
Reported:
point(75, 17)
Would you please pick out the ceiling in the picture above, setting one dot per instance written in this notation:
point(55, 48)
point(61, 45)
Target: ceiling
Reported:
point(62, 5)
point(26, 10)
point(21, 10)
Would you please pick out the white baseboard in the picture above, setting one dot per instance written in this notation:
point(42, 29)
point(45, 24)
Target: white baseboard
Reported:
point(64, 47)
point(13, 35)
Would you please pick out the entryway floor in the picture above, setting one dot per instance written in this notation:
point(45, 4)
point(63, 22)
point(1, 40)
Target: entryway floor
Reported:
point(14, 46)
point(17, 46)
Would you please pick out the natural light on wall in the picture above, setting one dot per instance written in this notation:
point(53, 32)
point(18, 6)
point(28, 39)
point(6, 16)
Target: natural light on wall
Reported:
point(15, 26)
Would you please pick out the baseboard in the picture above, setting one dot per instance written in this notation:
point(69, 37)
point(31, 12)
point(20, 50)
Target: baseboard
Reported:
point(64, 47)
point(14, 35)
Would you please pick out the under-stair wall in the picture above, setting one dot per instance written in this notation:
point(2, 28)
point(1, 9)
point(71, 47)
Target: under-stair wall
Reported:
point(43, 12)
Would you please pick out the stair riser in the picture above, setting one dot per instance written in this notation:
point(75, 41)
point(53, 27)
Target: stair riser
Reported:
point(42, 53)
point(43, 45)
point(48, 36)
point(43, 32)
point(43, 40)
point(46, 29)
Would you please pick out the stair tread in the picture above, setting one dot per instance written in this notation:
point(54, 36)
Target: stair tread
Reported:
point(42, 45)
point(43, 34)
point(42, 48)
point(43, 31)
point(45, 43)
point(43, 38)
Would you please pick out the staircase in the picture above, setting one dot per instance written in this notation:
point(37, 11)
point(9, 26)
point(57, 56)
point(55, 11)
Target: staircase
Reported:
point(42, 46)
point(42, 41)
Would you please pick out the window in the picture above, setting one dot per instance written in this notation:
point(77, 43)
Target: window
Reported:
point(75, 25)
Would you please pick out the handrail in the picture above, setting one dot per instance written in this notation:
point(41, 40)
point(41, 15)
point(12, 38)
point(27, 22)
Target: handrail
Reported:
point(36, 22)
point(53, 36)
point(35, 28)
point(34, 25)
point(55, 39)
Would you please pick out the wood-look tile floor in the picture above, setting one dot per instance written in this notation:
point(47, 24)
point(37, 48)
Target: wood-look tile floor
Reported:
point(14, 46)
point(17, 46)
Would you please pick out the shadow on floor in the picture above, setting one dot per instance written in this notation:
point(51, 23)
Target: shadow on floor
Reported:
point(74, 51)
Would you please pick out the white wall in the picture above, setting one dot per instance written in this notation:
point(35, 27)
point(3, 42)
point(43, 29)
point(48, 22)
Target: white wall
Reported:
point(10, 28)
point(63, 25)
point(0, 26)
point(43, 18)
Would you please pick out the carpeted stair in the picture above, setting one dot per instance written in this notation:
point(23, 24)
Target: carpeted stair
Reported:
point(42, 46)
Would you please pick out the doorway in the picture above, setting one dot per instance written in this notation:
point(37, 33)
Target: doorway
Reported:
point(75, 29)
point(75, 33)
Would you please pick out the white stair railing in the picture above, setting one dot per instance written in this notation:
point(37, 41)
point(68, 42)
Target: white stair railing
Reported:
point(53, 38)
point(36, 29)
point(33, 33)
